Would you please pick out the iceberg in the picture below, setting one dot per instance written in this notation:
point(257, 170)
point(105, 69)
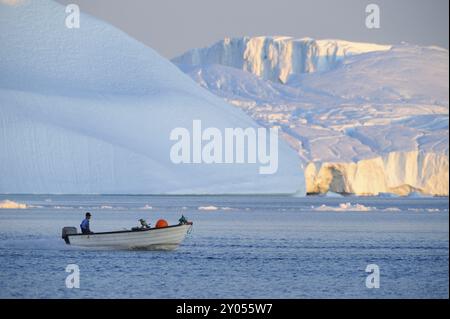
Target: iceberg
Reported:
point(208, 208)
point(90, 110)
point(400, 173)
point(9, 204)
point(344, 207)
point(372, 119)
point(277, 58)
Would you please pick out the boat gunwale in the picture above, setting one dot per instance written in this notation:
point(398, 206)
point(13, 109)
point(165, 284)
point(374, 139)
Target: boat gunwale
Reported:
point(129, 231)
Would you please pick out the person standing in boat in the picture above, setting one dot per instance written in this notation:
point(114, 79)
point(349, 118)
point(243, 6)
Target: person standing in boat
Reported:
point(85, 229)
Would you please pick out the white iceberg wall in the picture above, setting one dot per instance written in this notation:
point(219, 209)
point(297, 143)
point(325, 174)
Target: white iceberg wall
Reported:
point(91, 110)
point(276, 58)
point(119, 149)
point(397, 172)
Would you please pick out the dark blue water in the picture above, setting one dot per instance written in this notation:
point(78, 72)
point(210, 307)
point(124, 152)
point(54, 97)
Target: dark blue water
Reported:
point(248, 247)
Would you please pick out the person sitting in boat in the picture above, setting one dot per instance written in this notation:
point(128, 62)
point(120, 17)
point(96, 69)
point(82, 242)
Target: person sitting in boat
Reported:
point(85, 229)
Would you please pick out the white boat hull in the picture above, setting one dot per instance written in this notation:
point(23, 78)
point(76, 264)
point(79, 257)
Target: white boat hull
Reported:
point(167, 238)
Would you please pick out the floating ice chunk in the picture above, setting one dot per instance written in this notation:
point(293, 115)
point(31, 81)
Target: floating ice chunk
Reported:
point(208, 208)
point(9, 204)
point(344, 207)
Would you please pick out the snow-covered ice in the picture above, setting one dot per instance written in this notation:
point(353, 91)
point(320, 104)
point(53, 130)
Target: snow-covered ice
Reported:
point(277, 58)
point(344, 207)
point(373, 119)
point(208, 208)
point(90, 110)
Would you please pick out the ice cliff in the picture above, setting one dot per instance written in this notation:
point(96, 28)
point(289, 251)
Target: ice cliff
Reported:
point(90, 110)
point(277, 58)
point(400, 173)
point(365, 119)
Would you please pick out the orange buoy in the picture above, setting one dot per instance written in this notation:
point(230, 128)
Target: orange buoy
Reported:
point(161, 223)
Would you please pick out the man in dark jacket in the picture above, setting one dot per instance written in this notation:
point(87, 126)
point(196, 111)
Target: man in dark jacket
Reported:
point(85, 224)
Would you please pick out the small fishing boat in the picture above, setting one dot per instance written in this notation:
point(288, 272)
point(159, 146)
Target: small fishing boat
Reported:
point(163, 238)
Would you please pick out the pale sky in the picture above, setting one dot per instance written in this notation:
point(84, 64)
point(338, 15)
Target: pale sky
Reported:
point(174, 26)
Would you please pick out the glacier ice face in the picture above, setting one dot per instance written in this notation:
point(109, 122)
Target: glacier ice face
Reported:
point(90, 110)
point(375, 122)
point(277, 58)
point(399, 173)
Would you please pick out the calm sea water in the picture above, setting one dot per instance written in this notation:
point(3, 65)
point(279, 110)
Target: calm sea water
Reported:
point(248, 247)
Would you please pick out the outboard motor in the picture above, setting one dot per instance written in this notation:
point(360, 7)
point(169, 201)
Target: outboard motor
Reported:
point(68, 231)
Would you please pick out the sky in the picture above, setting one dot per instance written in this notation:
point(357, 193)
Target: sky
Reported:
point(172, 27)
